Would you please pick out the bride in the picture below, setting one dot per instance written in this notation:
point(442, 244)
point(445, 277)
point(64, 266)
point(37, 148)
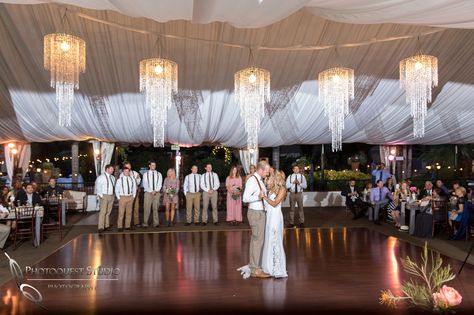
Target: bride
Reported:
point(273, 257)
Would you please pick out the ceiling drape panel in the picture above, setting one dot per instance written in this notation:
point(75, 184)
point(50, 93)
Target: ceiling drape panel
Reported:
point(108, 106)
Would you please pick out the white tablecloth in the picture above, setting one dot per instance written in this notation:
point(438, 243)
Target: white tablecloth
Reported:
point(39, 211)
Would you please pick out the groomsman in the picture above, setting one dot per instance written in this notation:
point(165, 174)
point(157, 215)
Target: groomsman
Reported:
point(105, 186)
point(152, 183)
point(193, 195)
point(296, 182)
point(136, 201)
point(210, 185)
point(126, 190)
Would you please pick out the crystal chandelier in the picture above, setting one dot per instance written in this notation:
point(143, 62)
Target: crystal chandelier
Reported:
point(159, 81)
point(418, 75)
point(336, 90)
point(252, 90)
point(65, 58)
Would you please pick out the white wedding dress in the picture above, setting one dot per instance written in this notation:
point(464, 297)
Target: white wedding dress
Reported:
point(273, 256)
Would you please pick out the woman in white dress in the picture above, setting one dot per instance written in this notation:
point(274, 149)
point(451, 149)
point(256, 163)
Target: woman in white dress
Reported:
point(273, 257)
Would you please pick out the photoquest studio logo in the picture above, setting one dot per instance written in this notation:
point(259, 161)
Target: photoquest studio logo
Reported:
point(28, 291)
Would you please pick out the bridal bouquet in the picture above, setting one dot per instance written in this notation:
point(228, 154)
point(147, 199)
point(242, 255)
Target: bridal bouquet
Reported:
point(430, 293)
point(170, 192)
point(236, 193)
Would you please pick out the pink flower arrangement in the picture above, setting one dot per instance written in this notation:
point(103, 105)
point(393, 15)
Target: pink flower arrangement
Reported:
point(446, 297)
point(413, 189)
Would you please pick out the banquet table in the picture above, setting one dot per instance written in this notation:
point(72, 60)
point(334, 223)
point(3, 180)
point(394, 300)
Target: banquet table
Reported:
point(413, 206)
point(39, 212)
point(64, 206)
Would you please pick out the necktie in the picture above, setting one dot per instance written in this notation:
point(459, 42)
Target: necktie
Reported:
point(380, 194)
point(153, 179)
point(380, 177)
point(296, 185)
point(195, 184)
point(128, 186)
point(210, 180)
point(107, 179)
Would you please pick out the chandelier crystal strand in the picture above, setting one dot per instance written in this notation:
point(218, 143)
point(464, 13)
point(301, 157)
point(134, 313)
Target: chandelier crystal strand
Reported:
point(252, 90)
point(65, 58)
point(336, 90)
point(159, 81)
point(418, 75)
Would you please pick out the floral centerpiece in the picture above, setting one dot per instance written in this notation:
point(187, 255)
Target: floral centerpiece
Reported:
point(170, 192)
point(429, 294)
point(236, 193)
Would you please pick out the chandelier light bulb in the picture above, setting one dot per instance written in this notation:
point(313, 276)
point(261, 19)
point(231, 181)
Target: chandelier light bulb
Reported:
point(418, 66)
point(64, 46)
point(14, 151)
point(11, 145)
point(336, 78)
point(158, 69)
point(252, 78)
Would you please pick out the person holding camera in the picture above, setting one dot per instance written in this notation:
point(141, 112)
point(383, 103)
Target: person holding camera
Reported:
point(380, 173)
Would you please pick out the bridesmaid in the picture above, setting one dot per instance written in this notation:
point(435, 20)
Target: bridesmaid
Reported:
point(233, 183)
point(170, 196)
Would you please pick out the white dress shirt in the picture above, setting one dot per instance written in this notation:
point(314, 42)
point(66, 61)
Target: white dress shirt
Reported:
point(290, 182)
point(135, 176)
point(210, 181)
point(253, 187)
point(126, 186)
point(152, 181)
point(104, 185)
point(192, 183)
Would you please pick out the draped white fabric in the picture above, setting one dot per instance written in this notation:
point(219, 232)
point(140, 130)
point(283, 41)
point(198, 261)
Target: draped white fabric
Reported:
point(247, 158)
point(23, 156)
point(96, 153)
point(108, 106)
point(254, 13)
point(106, 151)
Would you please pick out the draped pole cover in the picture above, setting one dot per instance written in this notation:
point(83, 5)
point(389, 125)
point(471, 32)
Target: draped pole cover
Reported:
point(22, 159)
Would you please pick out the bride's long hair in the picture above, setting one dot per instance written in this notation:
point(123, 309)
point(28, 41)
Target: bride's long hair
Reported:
point(277, 182)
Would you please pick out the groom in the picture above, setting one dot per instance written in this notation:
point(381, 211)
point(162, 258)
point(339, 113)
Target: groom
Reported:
point(253, 194)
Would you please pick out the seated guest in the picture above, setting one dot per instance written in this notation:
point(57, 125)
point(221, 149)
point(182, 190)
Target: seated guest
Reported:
point(52, 190)
point(4, 228)
point(4, 197)
point(399, 198)
point(28, 197)
point(455, 215)
point(380, 196)
point(353, 200)
point(444, 191)
point(390, 184)
point(366, 192)
point(425, 193)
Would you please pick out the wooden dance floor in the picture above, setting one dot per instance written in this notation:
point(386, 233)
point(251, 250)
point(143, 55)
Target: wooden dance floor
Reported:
point(329, 270)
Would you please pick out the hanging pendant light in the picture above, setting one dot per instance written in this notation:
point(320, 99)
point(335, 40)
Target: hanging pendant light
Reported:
point(418, 75)
point(336, 90)
point(65, 58)
point(159, 82)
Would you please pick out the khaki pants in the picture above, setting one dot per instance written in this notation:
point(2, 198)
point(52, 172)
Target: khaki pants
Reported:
point(257, 224)
point(296, 198)
point(105, 205)
point(149, 202)
point(125, 208)
point(4, 233)
point(193, 200)
point(136, 209)
point(205, 205)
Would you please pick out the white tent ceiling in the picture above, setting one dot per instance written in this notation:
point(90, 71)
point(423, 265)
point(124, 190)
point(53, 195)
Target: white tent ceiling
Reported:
point(109, 107)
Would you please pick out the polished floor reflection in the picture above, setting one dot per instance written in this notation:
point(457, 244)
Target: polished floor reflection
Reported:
point(195, 272)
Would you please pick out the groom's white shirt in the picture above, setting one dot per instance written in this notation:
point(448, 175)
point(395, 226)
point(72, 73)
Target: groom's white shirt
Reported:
point(252, 192)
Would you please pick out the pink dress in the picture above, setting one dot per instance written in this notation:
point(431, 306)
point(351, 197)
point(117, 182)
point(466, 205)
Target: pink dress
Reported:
point(170, 183)
point(234, 206)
